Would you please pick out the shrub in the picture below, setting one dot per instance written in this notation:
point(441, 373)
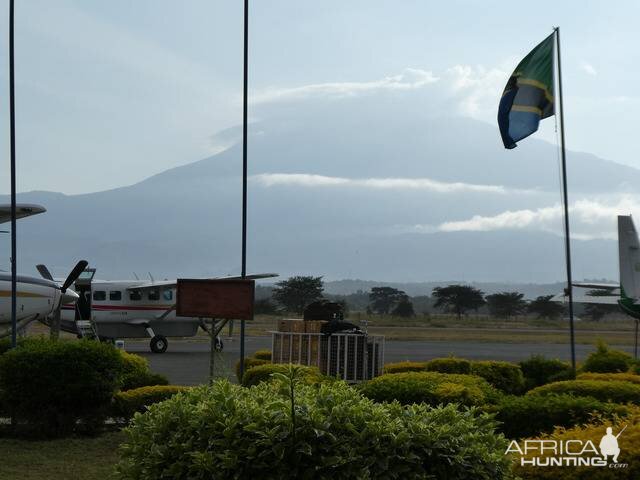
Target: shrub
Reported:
point(620, 377)
point(629, 443)
point(432, 388)
point(604, 360)
point(603, 390)
point(249, 363)
point(400, 367)
point(449, 365)
point(338, 434)
point(539, 370)
point(262, 373)
point(262, 355)
point(504, 376)
point(136, 373)
point(126, 404)
point(49, 386)
point(530, 415)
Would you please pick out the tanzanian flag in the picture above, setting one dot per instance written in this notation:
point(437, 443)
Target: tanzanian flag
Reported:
point(528, 96)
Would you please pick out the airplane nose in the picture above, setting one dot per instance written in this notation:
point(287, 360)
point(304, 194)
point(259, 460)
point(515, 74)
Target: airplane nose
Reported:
point(70, 297)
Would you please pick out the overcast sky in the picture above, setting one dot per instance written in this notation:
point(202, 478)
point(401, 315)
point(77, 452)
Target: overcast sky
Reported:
point(109, 93)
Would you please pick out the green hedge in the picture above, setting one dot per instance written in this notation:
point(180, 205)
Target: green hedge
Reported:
point(400, 367)
point(53, 388)
point(136, 373)
point(262, 355)
point(262, 373)
point(531, 415)
point(605, 360)
point(504, 376)
point(449, 365)
point(126, 404)
point(249, 363)
point(620, 377)
point(432, 388)
point(539, 370)
point(603, 390)
point(224, 431)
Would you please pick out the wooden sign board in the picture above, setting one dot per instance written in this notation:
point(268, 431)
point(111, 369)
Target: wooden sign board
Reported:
point(225, 299)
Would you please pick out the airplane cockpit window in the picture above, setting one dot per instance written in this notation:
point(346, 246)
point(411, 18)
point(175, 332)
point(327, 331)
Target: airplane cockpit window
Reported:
point(135, 295)
point(99, 296)
point(115, 295)
point(154, 294)
point(167, 294)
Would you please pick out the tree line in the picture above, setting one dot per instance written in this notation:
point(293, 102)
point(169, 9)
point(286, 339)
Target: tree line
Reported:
point(294, 294)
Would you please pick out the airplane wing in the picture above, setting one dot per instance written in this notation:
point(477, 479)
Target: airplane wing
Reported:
point(173, 283)
point(597, 286)
point(22, 210)
point(603, 297)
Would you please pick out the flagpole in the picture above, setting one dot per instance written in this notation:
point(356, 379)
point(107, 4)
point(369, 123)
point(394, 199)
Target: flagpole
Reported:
point(565, 195)
point(12, 133)
point(244, 170)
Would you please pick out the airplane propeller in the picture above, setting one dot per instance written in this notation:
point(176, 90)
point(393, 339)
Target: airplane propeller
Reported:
point(64, 298)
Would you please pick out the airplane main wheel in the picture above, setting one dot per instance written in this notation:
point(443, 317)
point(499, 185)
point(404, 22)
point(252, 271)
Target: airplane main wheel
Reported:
point(219, 345)
point(159, 344)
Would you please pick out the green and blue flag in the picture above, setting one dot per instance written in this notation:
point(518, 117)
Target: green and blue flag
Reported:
point(528, 96)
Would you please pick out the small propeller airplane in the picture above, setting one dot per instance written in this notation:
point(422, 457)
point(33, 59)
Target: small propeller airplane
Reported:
point(111, 310)
point(37, 298)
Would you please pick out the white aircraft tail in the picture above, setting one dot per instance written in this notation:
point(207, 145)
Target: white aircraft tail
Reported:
point(629, 252)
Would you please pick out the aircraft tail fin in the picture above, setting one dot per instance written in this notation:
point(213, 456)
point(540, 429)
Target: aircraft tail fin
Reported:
point(629, 253)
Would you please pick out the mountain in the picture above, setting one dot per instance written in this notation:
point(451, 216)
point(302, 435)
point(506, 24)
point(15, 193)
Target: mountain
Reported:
point(313, 208)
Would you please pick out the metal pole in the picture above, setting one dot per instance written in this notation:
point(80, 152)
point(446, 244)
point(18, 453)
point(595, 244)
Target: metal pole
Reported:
point(244, 169)
point(565, 195)
point(12, 130)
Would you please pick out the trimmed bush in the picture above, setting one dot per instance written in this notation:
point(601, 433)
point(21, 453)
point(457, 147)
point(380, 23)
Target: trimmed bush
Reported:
point(504, 376)
point(539, 370)
point(400, 367)
point(126, 404)
point(432, 388)
point(449, 365)
point(604, 360)
point(52, 388)
point(530, 415)
point(249, 363)
point(262, 373)
point(225, 431)
point(262, 355)
point(136, 372)
point(629, 443)
point(620, 377)
point(603, 390)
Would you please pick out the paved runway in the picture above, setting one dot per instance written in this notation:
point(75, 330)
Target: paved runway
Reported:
point(187, 362)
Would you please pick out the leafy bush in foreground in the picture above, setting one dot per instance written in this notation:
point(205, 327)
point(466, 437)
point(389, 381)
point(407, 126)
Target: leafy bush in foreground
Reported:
point(249, 363)
point(400, 367)
point(48, 387)
point(449, 365)
point(432, 388)
point(262, 355)
point(620, 377)
point(504, 376)
point(539, 370)
point(604, 360)
point(225, 431)
point(262, 373)
point(126, 404)
point(136, 372)
point(531, 415)
point(603, 390)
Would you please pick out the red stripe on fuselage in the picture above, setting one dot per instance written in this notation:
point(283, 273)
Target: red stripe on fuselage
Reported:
point(131, 307)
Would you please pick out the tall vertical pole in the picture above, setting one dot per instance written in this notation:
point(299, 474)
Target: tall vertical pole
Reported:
point(565, 196)
point(12, 133)
point(244, 169)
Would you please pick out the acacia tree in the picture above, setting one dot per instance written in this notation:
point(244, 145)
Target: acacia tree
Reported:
point(384, 299)
point(295, 293)
point(404, 308)
point(506, 304)
point(596, 311)
point(544, 307)
point(458, 298)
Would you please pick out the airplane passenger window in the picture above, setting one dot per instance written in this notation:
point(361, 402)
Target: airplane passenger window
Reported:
point(115, 296)
point(135, 295)
point(99, 296)
point(154, 294)
point(167, 294)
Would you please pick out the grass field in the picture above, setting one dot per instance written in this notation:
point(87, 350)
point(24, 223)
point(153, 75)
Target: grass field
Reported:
point(65, 459)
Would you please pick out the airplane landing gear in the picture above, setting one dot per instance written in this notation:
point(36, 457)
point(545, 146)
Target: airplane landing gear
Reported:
point(159, 344)
point(219, 345)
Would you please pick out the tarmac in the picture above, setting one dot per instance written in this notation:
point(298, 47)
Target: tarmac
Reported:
point(187, 362)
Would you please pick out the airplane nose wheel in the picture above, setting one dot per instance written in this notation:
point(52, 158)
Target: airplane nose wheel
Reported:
point(219, 345)
point(159, 344)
